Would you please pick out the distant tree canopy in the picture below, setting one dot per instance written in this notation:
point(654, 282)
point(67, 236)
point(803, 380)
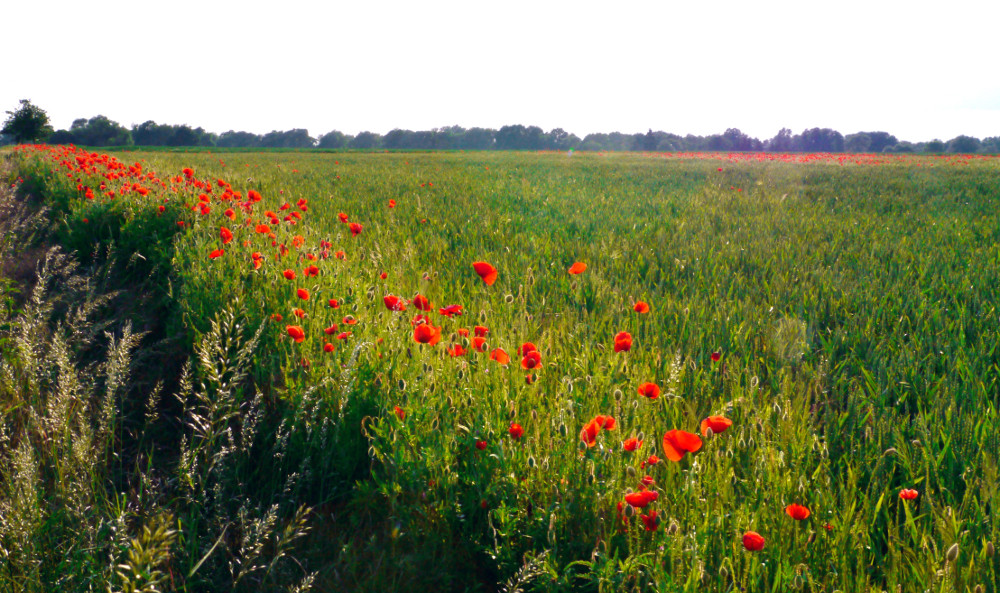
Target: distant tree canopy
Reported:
point(29, 123)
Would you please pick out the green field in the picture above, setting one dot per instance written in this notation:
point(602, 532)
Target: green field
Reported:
point(842, 315)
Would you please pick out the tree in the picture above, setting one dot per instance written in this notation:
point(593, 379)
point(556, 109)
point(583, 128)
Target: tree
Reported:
point(963, 144)
point(28, 123)
point(366, 141)
point(100, 131)
point(936, 145)
point(333, 139)
point(783, 141)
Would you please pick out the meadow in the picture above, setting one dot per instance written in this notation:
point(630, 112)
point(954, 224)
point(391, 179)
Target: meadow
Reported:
point(502, 371)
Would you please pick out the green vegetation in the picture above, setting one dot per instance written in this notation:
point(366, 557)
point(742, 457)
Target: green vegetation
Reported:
point(843, 316)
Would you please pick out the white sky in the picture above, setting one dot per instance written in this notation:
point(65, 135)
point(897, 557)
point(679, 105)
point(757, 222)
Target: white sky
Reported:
point(919, 70)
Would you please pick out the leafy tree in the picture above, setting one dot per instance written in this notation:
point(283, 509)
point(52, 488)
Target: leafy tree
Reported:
point(476, 139)
point(935, 145)
point(820, 140)
point(366, 141)
point(783, 141)
point(27, 123)
point(963, 144)
point(100, 131)
point(297, 138)
point(990, 145)
point(150, 133)
point(233, 139)
point(334, 139)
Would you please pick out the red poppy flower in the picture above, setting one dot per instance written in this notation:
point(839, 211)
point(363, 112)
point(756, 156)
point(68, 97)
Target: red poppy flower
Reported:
point(302, 294)
point(487, 272)
point(311, 270)
point(718, 424)
point(450, 310)
point(797, 512)
point(394, 303)
point(340, 255)
point(606, 422)
point(531, 360)
point(344, 335)
point(717, 356)
point(651, 521)
point(392, 203)
point(623, 342)
point(752, 541)
point(217, 253)
point(642, 498)
point(481, 445)
point(229, 214)
point(515, 430)
point(355, 229)
point(262, 229)
point(400, 412)
point(651, 460)
point(647, 480)
point(226, 235)
point(422, 303)
point(333, 304)
point(589, 432)
point(649, 390)
point(480, 331)
point(289, 275)
point(457, 350)
point(299, 313)
point(500, 356)
point(349, 320)
point(463, 332)
point(384, 275)
point(295, 332)
point(343, 217)
point(528, 347)
point(330, 330)
point(479, 344)
point(187, 171)
point(678, 442)
point(328, 347)
point(578, 268)
point(908, 494)
point(641, 307)
point(426, 333)
point(631, 444)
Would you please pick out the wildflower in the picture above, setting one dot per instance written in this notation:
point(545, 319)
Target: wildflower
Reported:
point(330, 330)
point(422, 303)
point(716, 423)
point(531, 360)
point(481, 445)
point(457, 350)
point(394, 303)
point(302, 294)
point(344, 335)
point(226, 235)
point(355, 229)
point(500, 356)
point(631, 444)
point(642, 498)
point(392, 203)
point(295, 332)
point(487, 272)
point(678, 442)
point(578, 268)
point(343, 217)
point(908, 494)
point(623, 342)
point(651, 521)
point(299, 313)
point(516, 430)
point(651, 460)
point(752, 541)
point(328, 347)
point(717, 356)
point(340, 255)
point(229, 214)
point(400, 412)
point(479, 344)
point(450, 310)
point(217, 253)
point(649, 390)
point(349, 320)
point(641, 307)
point(426, 333)
point(528, 347)
point(333, 304)
point(310, 270)
point(288, 274)
point(480, 331)
point(797, 512)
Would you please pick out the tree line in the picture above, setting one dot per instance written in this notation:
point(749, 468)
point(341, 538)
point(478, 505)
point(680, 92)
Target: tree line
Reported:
point(29, 123)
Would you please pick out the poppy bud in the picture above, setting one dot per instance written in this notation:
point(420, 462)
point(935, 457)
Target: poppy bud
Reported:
point(978, 589)
point(402, 385)
point(952, 554)
point(723, 572)
point(630, 471)
point(508, 299)
point(618, 395)
point(629, 511)
point(534, 415)
point(709, 433)
point(562, 429)
point(990, 550)
point(531, 461)
point(889, 451)
point(673, 528)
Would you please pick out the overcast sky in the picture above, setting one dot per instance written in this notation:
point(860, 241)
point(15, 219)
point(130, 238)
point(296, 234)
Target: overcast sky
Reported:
point(917, 70)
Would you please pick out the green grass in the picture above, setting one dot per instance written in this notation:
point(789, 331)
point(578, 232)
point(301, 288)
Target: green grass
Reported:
point(854, 307)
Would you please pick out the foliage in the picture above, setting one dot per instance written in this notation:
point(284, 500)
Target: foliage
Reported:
point(27, 123)
point(839, 310)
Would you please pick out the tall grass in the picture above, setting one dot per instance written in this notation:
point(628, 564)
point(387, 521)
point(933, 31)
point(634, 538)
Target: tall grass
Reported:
point(853, 308)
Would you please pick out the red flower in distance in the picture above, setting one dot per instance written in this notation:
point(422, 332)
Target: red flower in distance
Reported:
point(649, 390)
point(651, 521)
point(500, 356)
point(717, 356)
point(288, 274)
point(356, 229)
point(716, 423)
point(623, 342)
point(642, 498)
point(516, 430)
point(302, 294)
point(481, 445)
point(400, 412)
point(578, 268)
point(487, 272)
point(531, 360)
point(217, 253)
point(394, 303)
point(422, 303)
point(631, 444)
point(797, 512)
point(226, 235)
point(295, 332)
point(426, 333)
point(676, 443)
point(641, 307)
point(752, 541)
point(908, 494)
point(343, 217)
point(450, 310)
